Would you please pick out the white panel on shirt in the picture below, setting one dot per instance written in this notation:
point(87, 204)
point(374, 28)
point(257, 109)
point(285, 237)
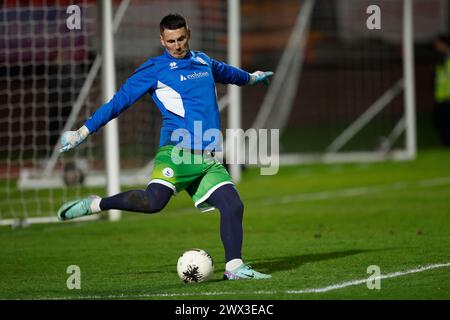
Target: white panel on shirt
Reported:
point(170, 99)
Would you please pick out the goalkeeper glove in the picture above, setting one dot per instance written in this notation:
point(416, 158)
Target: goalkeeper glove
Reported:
point(70, 139)
point(260, 76)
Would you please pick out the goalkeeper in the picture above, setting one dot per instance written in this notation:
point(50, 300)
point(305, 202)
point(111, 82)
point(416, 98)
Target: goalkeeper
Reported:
point(182, 85)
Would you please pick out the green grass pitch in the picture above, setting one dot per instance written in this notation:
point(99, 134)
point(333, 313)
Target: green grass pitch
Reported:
point(315, 228)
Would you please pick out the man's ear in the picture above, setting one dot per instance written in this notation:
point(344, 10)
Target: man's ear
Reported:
point(188, 34)
point(161, 40)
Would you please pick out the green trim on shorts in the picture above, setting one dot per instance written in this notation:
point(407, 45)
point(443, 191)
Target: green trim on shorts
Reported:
point(199, 174)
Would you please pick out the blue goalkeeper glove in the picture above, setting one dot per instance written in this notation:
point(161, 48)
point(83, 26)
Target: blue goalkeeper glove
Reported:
point(260, 76)
point(70, 139)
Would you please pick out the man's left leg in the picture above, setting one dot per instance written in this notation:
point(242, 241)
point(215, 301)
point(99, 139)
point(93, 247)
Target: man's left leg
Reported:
point(151, 200)
point(226, 199)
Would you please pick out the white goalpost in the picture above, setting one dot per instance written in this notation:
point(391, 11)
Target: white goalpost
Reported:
point(408, 67)
point(234, 92)
point(111, 138)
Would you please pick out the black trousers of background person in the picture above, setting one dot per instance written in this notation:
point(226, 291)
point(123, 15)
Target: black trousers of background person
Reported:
point(441, 119)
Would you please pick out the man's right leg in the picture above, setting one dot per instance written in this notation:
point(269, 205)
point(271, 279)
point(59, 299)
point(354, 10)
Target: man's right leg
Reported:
point(151, 200)
point(227, 200)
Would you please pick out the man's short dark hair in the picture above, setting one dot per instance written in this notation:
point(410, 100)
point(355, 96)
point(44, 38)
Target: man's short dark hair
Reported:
point(172, 21)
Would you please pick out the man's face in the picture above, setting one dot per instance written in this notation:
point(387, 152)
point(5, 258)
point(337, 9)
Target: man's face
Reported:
point(176, 42)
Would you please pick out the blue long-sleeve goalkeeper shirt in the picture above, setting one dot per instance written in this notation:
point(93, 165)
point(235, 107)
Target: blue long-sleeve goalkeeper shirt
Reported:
point(184, 90)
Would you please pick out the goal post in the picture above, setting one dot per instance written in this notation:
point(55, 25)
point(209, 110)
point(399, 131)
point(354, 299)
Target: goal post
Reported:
point(234, 92)
point(408, 69)
point(111, 137)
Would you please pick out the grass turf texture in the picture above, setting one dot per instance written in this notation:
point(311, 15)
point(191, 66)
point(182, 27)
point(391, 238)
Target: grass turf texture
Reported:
point(299, 225)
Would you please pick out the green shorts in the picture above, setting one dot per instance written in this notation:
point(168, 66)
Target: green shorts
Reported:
point(199, 174)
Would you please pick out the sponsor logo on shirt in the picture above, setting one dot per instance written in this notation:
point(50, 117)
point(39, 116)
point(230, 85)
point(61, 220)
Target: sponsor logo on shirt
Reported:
point(195, 75)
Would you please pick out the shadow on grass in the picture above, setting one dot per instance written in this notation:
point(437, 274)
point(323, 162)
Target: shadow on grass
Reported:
point(277, 264)
point(294, 262)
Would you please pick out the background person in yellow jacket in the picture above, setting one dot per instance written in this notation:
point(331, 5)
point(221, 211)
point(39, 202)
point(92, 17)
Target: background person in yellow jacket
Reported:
point(441, 112)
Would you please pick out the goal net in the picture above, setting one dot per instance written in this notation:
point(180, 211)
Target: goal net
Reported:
point(343, 89)
point(50, 82)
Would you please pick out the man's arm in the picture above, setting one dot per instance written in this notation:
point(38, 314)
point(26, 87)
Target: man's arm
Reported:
point(228, 74)
point(141, 82)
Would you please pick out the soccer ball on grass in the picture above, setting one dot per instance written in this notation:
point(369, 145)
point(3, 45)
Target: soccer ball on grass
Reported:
point(195, 265)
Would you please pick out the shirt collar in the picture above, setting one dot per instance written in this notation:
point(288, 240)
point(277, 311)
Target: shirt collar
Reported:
point(187, 56)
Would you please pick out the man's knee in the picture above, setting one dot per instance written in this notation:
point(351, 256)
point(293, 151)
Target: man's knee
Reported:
point(159, 196)
point(241, 206)
point(236, 206)
point(156, 206)
point(139, 200)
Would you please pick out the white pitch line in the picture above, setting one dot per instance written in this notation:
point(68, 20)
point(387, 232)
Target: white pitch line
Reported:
point(434, 182)
point(361, 281)
point(326, 195)
point(289, 292)
point(351, 192)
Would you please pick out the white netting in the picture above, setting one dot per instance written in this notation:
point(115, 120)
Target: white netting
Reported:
point(349, 97)
point(43, 65)
point(43, 68)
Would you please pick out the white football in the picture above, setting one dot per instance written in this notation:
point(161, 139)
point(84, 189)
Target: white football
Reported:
point(195, 265)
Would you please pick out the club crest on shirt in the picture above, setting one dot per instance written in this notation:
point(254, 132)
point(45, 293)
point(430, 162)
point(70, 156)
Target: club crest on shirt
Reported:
point(168, 172)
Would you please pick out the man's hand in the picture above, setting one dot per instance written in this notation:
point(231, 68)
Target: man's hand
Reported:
point(260, 76)
point(70, 139)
